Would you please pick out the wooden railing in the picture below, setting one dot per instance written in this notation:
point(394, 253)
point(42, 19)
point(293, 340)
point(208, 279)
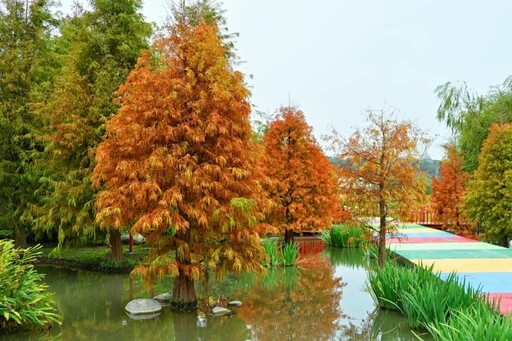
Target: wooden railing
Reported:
point(424, 216)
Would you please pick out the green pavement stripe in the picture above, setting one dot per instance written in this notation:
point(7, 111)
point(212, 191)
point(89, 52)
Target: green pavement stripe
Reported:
point(455, 254)
point(443, 246)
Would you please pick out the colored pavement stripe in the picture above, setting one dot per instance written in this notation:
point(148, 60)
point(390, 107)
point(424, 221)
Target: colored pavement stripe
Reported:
point(443, 246)
point(481, 265)
point(489, 282)
point(453, 239)
point(504, 300)
point(468, 265)
point(456, 254)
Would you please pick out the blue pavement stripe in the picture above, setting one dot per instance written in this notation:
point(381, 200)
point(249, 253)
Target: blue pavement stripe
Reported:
point(491, 282)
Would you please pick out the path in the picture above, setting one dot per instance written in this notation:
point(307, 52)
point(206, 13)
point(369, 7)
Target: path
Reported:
point(480, 264)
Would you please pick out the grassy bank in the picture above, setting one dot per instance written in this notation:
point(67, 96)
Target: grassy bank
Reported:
point(93, 257)
point(445, 308)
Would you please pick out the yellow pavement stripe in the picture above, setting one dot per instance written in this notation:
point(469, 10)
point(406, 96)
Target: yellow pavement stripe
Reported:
point(468, 265)
point(418, 230)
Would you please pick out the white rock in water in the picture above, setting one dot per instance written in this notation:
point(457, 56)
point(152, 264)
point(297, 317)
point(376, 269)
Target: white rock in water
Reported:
point(220, 311)
point(165, 297)
point(142, 306)
point(235, 303)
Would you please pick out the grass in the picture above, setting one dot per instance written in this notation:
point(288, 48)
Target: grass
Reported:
point(478, 322)
point(346, 236)
point(93, 257)
point(444, 308)
point(279, 254)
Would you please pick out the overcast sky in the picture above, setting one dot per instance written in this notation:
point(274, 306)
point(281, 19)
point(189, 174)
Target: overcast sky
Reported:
point(334, 59)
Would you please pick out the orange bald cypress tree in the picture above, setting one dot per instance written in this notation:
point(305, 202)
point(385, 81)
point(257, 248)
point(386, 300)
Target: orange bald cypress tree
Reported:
point(304, 188)
point(448, 192)
point(381, 178)
point(178, 163)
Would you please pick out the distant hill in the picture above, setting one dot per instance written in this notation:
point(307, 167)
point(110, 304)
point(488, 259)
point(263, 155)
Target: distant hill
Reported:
point(431, 167)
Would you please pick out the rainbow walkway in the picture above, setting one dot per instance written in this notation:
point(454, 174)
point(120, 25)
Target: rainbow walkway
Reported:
point(482, 265)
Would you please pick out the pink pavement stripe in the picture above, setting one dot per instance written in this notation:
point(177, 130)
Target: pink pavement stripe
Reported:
point(505, 301)
point(454, 239)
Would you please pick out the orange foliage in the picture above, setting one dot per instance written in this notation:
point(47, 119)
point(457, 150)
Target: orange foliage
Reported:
point(178, 163)
point(381, 178)
point(448, 191)
point(304, 187)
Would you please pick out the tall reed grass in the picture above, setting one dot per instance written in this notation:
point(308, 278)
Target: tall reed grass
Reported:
point(346, 236)
point(280, 254)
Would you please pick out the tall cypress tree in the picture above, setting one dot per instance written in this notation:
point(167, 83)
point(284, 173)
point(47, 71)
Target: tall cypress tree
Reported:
point(25, 75)
point(102, 47)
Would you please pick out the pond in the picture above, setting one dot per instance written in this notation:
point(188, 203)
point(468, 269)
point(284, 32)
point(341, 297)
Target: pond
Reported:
point(325, 298)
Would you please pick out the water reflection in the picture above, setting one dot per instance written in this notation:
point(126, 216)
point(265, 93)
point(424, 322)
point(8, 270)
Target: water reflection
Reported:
point(321, 299)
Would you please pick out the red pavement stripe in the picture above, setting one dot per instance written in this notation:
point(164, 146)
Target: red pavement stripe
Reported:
point(505, 301)
point(430, 240)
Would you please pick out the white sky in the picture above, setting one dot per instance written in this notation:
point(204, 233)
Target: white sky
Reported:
point(334, 59)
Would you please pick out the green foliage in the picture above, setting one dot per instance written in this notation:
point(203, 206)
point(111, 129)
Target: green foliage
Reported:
point(279, 254)
point(346, 236)
point(23, 297)
point(26, 73)
point(290, 252)
point(488, 196)
point(470, 115)
point(422, 295)
point(475, 323)
point(98, 50)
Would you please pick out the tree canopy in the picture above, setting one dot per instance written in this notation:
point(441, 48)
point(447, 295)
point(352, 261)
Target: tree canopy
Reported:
point(178, 163)
point(304, 187)
point(448, 191)
point(488, 197)
point(381, 179)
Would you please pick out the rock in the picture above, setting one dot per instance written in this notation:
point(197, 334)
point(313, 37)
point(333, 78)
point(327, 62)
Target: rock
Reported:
point(137, 238)
point(143, 308)
point(220, 311)
point(235, 303)
point(164, 298)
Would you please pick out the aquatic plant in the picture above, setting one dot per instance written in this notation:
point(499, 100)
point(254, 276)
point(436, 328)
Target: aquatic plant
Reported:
point(346, 236)
point(290, 252)
point(477, 322)
point(271, 249)
point(24, 299)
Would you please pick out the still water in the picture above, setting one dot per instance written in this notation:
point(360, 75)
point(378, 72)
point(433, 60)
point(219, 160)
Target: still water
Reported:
point(325, 298)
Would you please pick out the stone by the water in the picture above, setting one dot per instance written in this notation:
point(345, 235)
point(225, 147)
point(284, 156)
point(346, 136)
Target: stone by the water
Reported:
point(235, 303)
point(220, 311)
point(166, 297)
point(142, 308)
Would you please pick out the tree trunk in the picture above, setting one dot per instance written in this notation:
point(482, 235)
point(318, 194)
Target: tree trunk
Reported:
point(288, 237)
point(116, 248)
point(184, 292)
point(382, 234)
point(20, 237)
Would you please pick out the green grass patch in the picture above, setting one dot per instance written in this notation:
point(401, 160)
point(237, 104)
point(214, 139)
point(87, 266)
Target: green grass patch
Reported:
point(278, 253)
point(346, 236)
point(93, 257)
point(477, 322)
point(430, 302)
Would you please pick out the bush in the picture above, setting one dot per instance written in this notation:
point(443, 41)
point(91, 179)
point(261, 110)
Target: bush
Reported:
point(23, 297)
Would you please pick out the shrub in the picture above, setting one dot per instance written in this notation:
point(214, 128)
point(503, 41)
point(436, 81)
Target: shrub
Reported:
point(23, 297)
